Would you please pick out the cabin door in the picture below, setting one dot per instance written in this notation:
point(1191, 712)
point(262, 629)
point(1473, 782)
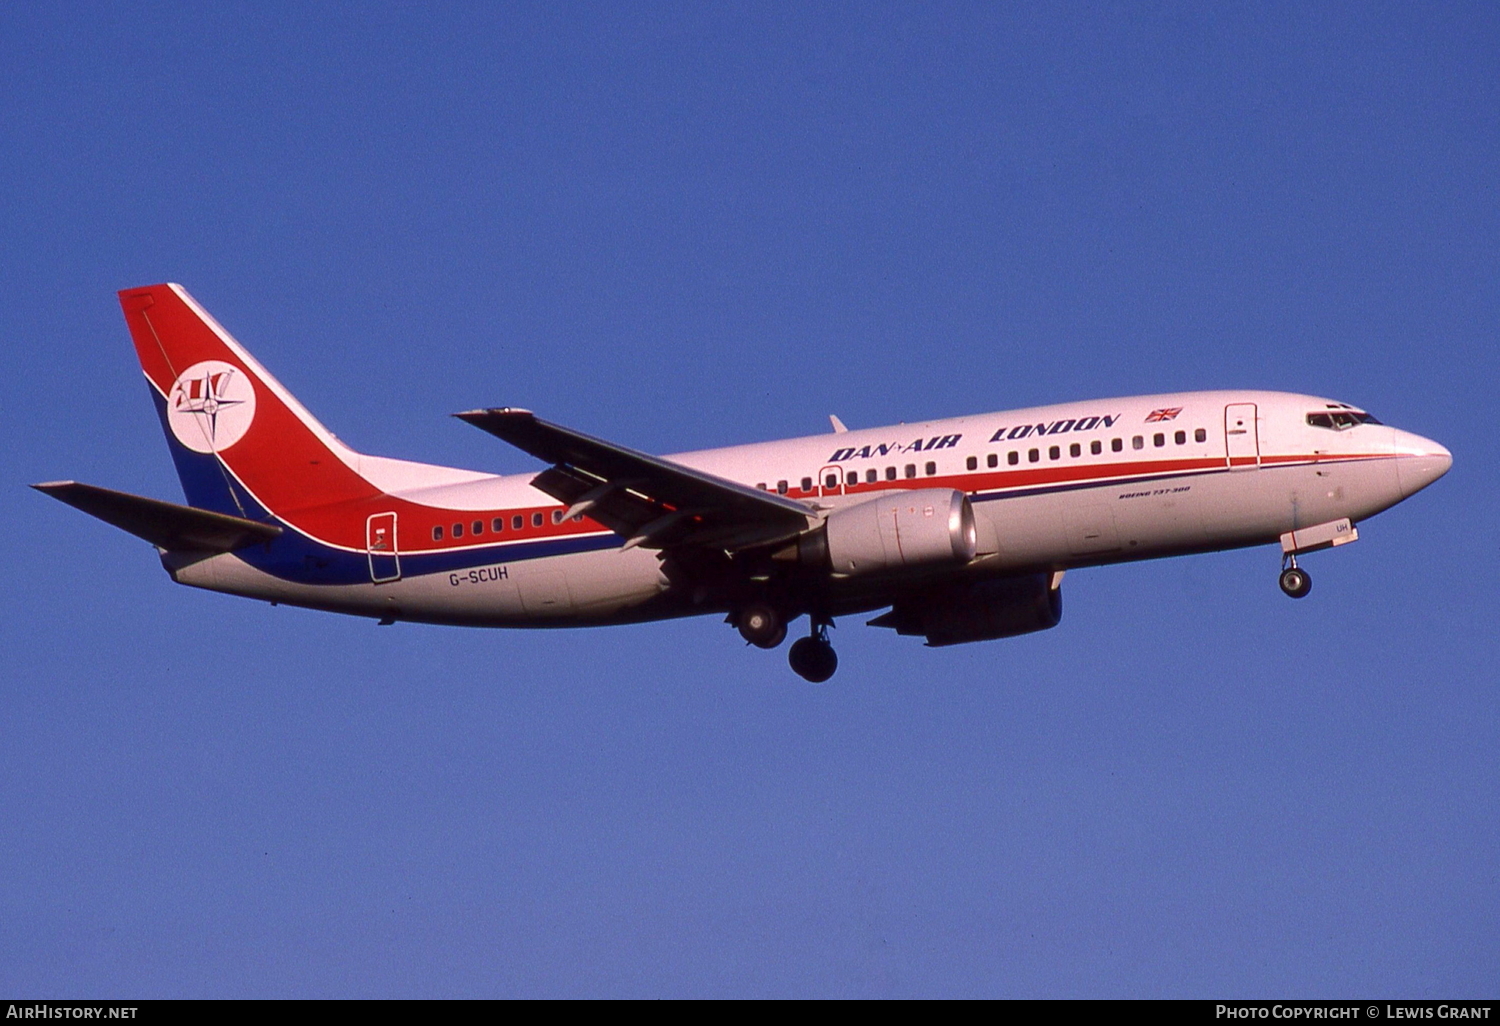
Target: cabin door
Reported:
point(380, 544)
point(1241, 437)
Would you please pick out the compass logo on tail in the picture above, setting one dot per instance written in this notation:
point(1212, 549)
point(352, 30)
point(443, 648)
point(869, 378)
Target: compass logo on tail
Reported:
point(211, 406)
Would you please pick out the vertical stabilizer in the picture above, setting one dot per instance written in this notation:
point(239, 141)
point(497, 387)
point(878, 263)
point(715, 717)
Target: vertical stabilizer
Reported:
point(242, 444)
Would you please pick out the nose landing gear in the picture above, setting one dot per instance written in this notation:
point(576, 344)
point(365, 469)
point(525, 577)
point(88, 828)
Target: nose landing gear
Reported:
point(813, 658)
point(1295, 581)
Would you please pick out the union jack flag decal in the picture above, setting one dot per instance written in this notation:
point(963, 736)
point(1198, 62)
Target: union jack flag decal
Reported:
point(1157, 416)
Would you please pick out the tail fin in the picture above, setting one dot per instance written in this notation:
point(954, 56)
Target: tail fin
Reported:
point(242, 444)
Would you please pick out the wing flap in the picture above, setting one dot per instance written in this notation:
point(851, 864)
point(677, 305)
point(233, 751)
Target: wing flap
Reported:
point(164, 524)
point(617, 508)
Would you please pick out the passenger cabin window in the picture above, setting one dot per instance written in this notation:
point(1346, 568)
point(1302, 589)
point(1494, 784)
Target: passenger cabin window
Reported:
point(497, 525)
point(992, 460)
point(477, 526)
point(536, 520)
point(781, 487)
point(557, 516)
point(831, 481)
point(458, 530)
point(1096, 447)
point(1159, 439)
point(1200, 435)
point(1053, 453)
point(517, 522)
point(972, 462)
point(1137, 442)
point(1180, 438)
point(437, 533)
point(1115, 445)
point(1013, 457)
point(1075, 449)
point(854, 477)
point(872, 475)
point(761, 485)
point(890, 473)
point(911, 470)
point(807, 484)
point(1032, 455)
point(931, 469)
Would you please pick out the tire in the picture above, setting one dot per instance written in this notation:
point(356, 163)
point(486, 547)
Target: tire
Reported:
point(813, 660)
point(761, 625)
point(1296, 582)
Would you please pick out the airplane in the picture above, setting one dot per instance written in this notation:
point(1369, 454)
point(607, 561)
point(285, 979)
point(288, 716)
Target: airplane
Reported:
point(960, 530)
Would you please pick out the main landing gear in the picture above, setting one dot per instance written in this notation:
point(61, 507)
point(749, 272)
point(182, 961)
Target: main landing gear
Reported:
point(812, 658)
point(761, 625)
point(1295, 581)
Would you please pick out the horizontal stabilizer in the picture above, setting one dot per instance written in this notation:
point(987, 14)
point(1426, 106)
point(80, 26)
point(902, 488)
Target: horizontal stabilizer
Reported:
point(164, 524)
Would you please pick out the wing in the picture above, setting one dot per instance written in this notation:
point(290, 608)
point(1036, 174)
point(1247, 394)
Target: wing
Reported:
point(647, 500)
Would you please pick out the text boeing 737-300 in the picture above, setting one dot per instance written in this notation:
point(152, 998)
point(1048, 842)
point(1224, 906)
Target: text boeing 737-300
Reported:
point(963, 528)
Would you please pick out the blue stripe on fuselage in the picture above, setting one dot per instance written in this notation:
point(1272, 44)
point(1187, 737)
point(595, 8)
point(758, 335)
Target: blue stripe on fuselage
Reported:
point(296, 557)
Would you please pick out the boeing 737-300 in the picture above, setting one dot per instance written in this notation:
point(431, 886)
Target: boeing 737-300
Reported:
point(960, 530)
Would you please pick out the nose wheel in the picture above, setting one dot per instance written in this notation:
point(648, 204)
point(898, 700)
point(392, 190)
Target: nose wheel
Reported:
point(813, 658)
point(1295, 581)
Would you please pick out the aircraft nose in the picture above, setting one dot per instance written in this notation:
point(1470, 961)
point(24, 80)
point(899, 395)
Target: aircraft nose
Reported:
point(1421, 462)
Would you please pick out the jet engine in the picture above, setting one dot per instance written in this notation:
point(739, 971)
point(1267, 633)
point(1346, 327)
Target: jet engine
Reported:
point(928, 527)
point(980, 611)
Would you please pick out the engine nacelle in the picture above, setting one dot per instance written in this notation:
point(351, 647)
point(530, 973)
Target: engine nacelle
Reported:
point(929, 527)
point(980, 611)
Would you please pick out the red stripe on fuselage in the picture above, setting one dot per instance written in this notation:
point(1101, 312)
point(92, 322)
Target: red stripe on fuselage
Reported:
point(1022, 478)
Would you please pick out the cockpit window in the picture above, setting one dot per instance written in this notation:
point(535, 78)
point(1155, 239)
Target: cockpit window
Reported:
point(1340, 420)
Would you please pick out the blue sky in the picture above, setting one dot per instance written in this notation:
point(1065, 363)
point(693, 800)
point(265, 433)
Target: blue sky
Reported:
point(685, 226)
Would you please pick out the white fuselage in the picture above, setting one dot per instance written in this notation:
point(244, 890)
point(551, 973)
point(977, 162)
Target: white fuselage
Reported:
point(1052, 488)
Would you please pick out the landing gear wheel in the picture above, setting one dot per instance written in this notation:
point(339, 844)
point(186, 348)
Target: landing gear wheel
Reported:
point(761, 625)
point(813, 659)
point(1296, 582)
